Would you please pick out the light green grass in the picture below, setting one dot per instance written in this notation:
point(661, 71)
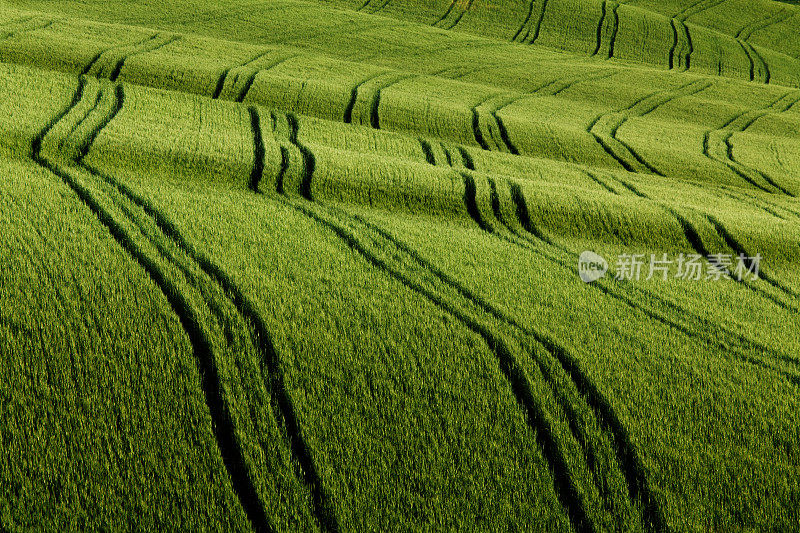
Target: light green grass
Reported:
point(299, 265)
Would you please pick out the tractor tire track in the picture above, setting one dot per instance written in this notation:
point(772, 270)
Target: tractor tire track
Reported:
point(680, 57)
point(461, 14)
point(348, 112)
point(535, 415)
point(697, 8)
point(118, 55)
point(749, 29)
point(693, 237)
point(280, 400)
point(281, 404)
point(604, 128)
point(690, 89)
point(379, 8)
point(516, 376)
point(537, 27)
point(740, 250)
point(614, 28)
point(756, 202)
point(592, 450)
point(374, 116)
point(600, 26)
point(525, 21)
point(446, 13)
point(491, 106)
point(222, 80)
point(679, 26)
point(757, 65)
point(251, 78)
point(720, 141)
point(723, 339)
point(222, 424)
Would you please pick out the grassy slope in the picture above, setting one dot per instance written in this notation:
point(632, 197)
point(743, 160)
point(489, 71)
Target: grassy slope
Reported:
point(460, 240)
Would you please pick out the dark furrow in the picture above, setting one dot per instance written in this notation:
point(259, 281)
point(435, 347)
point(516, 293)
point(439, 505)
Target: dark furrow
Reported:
point(281, 403)
point(701, 249)
point(739, 249)
point(284, 168)
point(631, 465)
point(476, 127)
point(93, 61)
point(121, 63)
point(348, 112)
point(446, 13)
point(495, 200)
point(763, 175)
point(365, 4)
point(678, 93)
point(512, 371)
point(469, 164)
point(761, 61)
point(537, 28)
point(471, 201)
point(603, 7)
point(252, 77)
point(731, 166)
point(627, 185)
point(504, 134)
point(524, 22)
point(309, 162)
point(614, 29)
point(222, 424)
point(224, 76)
point(767, 202)
point(461, 15)
point(693, 236)
point(447, 154)
point(741, 198)
point(374, 115)
point(682, 14)
point(757, 62)
point(602, 183)
point(672, 49)
point(428, 151)
point(564, 86)
point(739, 341)
point(79, 123)
point(639, 159)
point(606, 147)
point(220, 83)
point(386, 3)
point(699, 7)
point(258, 149)
point(553, 379)
point(748, 30)
point(729, 161)
point(100, 54)
point(750, 59)
point(687, 59)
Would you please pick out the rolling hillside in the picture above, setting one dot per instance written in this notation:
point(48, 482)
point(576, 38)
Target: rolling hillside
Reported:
point(290, 265)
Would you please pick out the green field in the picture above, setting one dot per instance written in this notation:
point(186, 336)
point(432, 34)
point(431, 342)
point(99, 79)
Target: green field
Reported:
point(295, 265)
